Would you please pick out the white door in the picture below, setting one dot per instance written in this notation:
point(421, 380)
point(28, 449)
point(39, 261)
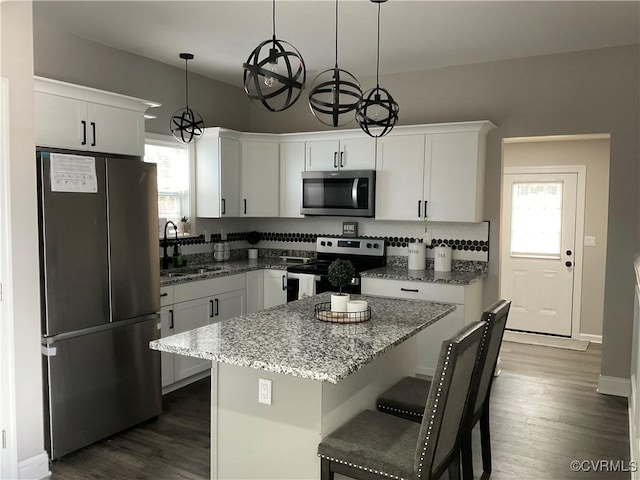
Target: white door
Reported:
point(275, 292)
point(538, 241)
point(260, 177)
point(357, 154)
point(187, 316)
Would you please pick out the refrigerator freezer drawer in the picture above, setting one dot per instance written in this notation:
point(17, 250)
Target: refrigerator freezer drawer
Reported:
point(100, 384)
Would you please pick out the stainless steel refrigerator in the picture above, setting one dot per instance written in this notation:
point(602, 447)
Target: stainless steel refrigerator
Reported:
point(100, 296)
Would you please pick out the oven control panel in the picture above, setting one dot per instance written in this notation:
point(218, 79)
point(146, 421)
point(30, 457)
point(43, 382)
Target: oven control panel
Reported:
point(351, 245)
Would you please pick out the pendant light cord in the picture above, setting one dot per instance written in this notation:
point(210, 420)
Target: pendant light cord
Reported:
point(336, 33)
point(186, 82)
point(378, 52)
point(273, 16)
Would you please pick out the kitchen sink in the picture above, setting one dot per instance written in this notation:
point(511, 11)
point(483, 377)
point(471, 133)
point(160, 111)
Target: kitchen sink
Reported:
point(173, 274)
point(192, 271)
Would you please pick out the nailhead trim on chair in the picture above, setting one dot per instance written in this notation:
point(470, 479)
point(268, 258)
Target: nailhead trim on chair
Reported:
point(362, 468)
point(433, 411)
point(385, 407)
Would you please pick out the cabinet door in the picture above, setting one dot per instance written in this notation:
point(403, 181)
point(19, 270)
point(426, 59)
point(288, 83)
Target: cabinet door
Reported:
point(187, 316)
point(167, 359)
point(275, 292)
point(208, 193)
point(357, 154)
point(255, 291)
point(457, 181)
point(59, 122)
point(260, 178)
point(115, 130)
point(400, 193)
point(430, 340)
point(291, 168)
point(322, 155)
point(228, 305)
point(230, 177)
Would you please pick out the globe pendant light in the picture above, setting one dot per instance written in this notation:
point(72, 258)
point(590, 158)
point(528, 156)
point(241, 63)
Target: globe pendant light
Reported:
point(377, 112)
point(274, 73)
point(186, 124)
point(335, 93)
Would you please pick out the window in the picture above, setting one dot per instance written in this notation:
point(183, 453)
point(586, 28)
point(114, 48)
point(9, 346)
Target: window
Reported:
point(174, 175)
point(536, 219)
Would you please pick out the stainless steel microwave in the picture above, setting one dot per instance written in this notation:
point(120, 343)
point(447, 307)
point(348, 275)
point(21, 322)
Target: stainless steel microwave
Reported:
point(346, 193)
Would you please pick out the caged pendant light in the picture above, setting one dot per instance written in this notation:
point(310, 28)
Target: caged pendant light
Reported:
point(377, 112)
point(335, 93)
point(186, 124)
point(274, 73)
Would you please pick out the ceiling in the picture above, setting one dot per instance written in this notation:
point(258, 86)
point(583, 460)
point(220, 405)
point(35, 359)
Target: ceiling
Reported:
point(415, 35)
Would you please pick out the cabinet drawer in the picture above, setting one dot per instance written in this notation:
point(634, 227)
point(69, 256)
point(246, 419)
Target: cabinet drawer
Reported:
point(166, 296)
point(209, 287)
point(413, 290)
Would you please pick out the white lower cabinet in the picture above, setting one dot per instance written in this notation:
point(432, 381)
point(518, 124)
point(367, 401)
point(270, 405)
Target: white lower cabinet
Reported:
point(275, 288)
point(467, 298)
point(255, 291)
point(193, 305)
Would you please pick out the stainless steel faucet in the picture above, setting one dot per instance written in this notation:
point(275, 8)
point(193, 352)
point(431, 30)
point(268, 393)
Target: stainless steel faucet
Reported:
point(165, 256)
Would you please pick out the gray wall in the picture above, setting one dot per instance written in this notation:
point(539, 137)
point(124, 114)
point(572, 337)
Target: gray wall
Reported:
point(585, 92)
point(63, 56)
point(592, 91)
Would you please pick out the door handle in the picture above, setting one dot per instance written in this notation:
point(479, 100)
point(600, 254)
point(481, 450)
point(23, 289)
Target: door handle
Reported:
point(419, 209)
point(284, 286)
point(164, 294)
point(414, 290)
point(224, 206)
point(217, 307)
point(93, 129)
point(568, 264)
point(569, 252)
point(84, 132)
point(171, 319)
point(341, 159)
point(425, 208)
point(335, 159)
point(210, 308)
point(245, 205)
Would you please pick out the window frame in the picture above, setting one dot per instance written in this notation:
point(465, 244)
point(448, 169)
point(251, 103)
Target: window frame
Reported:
point(169, 141)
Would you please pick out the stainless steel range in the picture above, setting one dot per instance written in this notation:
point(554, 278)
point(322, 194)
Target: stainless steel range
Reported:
point(312, 278)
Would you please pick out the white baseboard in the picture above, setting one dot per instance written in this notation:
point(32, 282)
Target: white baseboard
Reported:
point(34, 468)
point(426, 371)
point(590, 338)
point(634, 441)
point(619, 387)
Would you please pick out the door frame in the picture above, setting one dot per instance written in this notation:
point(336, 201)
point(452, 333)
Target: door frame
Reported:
point(581, 171)
point(8, 436)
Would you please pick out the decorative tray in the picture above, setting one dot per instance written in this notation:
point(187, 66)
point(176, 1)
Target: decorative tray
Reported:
point(323, 313)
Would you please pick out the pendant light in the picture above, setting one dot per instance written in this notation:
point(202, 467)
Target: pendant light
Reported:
point(335, 93)
point(377, 112)
point(274, 73)
point(186, 124)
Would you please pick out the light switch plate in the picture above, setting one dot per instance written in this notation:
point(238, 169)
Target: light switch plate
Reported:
point(264, 391)
point(589, 241)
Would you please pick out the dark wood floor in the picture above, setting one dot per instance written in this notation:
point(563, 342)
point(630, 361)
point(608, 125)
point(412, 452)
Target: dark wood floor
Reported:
point(544, 406)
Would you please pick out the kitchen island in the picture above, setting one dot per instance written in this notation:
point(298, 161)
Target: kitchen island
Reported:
point(321, 374)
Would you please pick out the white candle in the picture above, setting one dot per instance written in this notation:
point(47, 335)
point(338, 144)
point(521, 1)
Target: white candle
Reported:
point(339, 302)
point(357, 306)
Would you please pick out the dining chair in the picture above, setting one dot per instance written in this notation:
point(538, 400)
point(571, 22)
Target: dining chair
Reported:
point(405, 399)
point(374, 445)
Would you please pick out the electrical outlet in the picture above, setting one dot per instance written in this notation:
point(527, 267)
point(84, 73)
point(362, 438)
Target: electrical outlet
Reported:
point(264, 391)
point(589, 241)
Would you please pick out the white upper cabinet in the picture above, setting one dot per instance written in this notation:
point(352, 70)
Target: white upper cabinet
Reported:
point(401, 178)
point(341, 153)
point(291, 168)
point(218, 174)
point(80, 118)
point(260, 178)
point(432, 171)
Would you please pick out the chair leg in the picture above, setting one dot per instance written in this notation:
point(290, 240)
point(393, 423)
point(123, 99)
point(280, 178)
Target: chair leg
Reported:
point(485, 437)
point(467, 457)
point(325, 469)
point(454, 466)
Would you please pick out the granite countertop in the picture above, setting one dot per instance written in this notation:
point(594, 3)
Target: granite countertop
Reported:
point(288, 339)
point(192, 273)
point(403, 273)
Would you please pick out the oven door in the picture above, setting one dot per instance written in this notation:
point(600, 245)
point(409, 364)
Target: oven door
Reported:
point(323, 285)
point(301, 285)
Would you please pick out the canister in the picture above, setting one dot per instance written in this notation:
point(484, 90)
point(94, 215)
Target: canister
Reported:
point(417, 256)
point(442, 258)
